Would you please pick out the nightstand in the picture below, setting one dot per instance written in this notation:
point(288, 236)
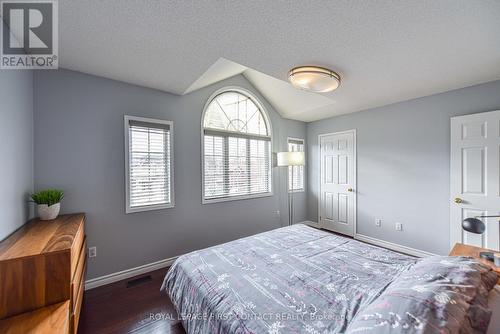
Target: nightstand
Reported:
point(472, 251)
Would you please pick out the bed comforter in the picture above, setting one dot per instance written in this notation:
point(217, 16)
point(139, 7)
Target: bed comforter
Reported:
point(294, 279)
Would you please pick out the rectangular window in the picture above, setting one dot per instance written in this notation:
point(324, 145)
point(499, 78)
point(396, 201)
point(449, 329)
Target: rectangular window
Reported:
point(236, 166)
point(148, 164)
point(296, 173)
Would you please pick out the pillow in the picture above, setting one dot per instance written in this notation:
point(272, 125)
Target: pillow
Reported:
point(439, 294)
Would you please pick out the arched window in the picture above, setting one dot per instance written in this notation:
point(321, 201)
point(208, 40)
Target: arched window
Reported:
point(236, 148)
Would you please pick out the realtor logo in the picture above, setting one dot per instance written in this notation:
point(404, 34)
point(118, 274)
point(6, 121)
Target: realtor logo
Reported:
point(29, 34)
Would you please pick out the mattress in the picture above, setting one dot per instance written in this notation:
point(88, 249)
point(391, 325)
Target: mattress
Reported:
point(296, 279)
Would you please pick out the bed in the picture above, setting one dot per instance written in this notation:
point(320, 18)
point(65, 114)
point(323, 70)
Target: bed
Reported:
point(299, 279)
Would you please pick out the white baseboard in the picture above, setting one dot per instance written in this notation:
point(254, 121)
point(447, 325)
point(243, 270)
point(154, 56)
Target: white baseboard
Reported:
point(124, 274)
point(393, 246)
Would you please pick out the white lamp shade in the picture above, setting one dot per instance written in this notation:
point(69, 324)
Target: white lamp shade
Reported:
point(290, 159)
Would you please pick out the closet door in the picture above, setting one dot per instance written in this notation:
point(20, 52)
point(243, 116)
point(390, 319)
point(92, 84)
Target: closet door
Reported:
point(337, 207)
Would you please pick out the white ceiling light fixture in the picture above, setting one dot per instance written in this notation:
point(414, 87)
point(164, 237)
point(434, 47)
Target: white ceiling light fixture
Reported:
point(314, 78)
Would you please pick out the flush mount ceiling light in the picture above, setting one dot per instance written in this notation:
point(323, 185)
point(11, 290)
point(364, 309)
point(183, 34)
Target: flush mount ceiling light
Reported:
point(313, 78)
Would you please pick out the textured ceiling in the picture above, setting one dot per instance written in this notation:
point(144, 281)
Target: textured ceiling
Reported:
point(386, 51)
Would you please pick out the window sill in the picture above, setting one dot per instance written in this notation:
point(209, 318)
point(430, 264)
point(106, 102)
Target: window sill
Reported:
point(149, 208)
point(235, 198)
point(296, 191)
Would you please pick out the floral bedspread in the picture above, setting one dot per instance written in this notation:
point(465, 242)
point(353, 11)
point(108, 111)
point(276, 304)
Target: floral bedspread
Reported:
point(291, 280)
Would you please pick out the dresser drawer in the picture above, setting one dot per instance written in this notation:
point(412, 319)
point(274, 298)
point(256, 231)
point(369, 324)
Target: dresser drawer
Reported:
point(53, 319)
point(78, 278)
point(77, 247)
point(75, 316)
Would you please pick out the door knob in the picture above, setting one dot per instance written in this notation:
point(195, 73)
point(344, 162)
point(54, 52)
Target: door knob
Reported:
point(458, 200)
point(350, 190)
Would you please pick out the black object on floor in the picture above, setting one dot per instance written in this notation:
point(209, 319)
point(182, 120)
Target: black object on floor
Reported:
point(139, 281)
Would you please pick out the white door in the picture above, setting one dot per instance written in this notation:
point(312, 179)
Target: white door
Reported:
point(337, 205)
point(475, 181)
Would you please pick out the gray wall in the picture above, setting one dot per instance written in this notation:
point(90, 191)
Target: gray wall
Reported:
point(79, 147)
point(16, 148)
point(403, 164)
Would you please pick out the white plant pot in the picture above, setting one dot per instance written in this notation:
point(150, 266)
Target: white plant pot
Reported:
point(46, 212)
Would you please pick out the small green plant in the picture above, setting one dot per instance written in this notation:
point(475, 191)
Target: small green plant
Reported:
point(49, 196)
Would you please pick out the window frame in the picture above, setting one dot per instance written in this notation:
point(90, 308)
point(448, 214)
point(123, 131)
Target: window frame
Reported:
point(128, 208)
point(288, 139)
point(267, 119)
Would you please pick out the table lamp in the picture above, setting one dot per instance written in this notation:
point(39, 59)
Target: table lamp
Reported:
point(286, 159)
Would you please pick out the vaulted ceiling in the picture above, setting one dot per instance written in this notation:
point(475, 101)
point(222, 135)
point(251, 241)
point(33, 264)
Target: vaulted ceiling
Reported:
point(386, 51)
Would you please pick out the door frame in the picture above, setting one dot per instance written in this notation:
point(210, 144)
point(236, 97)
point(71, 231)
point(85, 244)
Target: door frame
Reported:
point(355, 182)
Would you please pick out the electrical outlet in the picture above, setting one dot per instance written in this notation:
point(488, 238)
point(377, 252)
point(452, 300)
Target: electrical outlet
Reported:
point(378, 222)
point(399, 227)
point(92, 251)
point(277, 214)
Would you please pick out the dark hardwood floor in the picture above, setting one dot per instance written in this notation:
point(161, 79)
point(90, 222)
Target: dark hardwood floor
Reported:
point(130, 308)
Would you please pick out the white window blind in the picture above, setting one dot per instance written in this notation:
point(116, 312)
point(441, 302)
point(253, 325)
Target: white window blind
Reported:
point(236, 150)
point(296, 173)
point(149, 167)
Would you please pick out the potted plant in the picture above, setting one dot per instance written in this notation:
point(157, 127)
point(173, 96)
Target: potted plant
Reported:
point(48, 203)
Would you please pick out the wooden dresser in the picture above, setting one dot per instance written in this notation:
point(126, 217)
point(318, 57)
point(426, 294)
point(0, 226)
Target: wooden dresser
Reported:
point(42, 268)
